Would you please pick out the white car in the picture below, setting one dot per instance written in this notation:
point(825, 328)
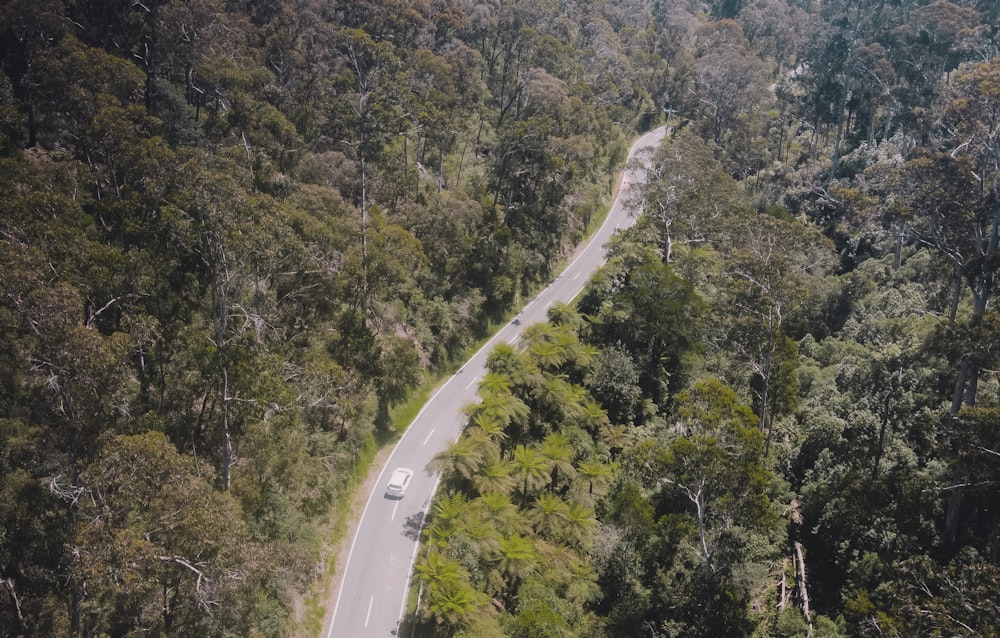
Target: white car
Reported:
point(398, 482)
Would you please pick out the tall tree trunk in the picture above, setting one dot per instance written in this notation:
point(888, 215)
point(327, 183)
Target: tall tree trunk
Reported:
point(954, 507)
point(32, 125)
point(897, 256)
point(972, 385)
point(227, 442)
point(803, 590)
point(995, 539)
point(841, 117)
point(364, 233)
point(959, 391)
point(784, 594)
point(441, 168)
point(701, 506)
point(767, 372)
point(881, 437)
point(75, 622)
point(8, 584)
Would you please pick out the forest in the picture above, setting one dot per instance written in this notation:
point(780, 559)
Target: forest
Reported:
point(237, 237)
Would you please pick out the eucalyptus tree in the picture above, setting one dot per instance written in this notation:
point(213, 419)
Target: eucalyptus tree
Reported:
point(830, 65)
point(730, 82)
point(614, 382)
point(185, 550)
point(717, 462)
point(971, 122)
point(366, 114)
point(950, 203)
point(936, 37)
point(644, 306)
point(718, 514)
point(769, 277)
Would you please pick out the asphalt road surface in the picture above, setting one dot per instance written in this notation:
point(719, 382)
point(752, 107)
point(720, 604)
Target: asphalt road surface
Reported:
point(376, 571)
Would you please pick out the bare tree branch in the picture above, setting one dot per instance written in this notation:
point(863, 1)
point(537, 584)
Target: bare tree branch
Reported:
point(8, 584)
point(202, 584)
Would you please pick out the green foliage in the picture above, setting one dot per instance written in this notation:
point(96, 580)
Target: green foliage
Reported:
point(235, 236)
point(641, 304)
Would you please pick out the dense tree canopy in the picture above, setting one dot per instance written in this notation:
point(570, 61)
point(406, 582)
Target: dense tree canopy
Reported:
point(235, 235)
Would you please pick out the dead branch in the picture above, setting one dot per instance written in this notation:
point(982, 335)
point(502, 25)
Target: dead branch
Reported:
point(201, 584)
point(8, 584)
point(784, 594)
point(96, 314)
point(68, 493)
point(803, 591)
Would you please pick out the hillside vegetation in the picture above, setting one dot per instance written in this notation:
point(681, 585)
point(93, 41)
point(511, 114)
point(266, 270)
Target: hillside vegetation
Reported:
point(234, 236)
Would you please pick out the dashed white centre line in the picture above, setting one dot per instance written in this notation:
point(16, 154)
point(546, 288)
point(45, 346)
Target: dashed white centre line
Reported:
point(429, 436)
point(369, 615)
point(547, 306)
point(471, 382)
point(512, 339)
point(576, 276)
point(393, 517)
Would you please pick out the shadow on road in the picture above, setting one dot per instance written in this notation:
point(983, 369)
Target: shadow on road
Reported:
point(411, 528)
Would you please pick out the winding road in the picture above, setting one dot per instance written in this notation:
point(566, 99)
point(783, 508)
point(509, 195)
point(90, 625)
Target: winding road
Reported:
point(375, 576)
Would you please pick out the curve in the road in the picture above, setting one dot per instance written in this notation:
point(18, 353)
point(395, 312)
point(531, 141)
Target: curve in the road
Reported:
point(374, 581)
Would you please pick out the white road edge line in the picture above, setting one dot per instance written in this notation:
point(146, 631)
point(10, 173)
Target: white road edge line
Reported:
point(378, 481)
point(416, 548)
point(485, 346)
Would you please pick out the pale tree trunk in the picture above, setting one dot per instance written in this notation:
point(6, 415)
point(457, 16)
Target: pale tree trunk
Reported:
point(363, 168)
point(365, 79)
point(364, 242)
point(784, 594)
point(700, 502)
point(220, 327)
point(956, 293)
point(8, 584)
point(841, 120)
point(227, 441)
point(701, 508)
point(885, 421)
point(803, 590)
point(967, 383)
point(767, 374)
